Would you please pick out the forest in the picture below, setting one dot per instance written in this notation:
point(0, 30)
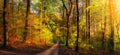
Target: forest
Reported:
point(59, 27)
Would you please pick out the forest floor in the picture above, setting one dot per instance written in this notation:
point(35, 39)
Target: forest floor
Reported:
point(55, 49)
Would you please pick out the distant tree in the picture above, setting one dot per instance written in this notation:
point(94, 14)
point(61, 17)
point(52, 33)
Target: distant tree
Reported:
point(104, 28)
point(88, 20)
point(111, 39)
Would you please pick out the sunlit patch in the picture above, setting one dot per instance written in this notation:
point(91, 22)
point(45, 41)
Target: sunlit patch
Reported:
point(118, 6)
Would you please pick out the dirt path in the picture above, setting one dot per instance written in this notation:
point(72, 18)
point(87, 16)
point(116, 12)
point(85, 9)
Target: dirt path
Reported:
point(56, 49)
point(51, 51)
point(2, 52)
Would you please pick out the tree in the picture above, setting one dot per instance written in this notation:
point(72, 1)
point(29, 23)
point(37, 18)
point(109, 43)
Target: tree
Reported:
point(4, 23)
point(88, 20)
point(111, 39)
point(26, 20)
point(68, 13)
point(77, 11)
point(104, 28)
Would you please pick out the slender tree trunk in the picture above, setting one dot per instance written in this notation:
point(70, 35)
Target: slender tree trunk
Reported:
point(26, 20)
point(111, 39)
point(67, 30)
point(4, 23)
point(103, 34)
point(19, 6)
point(77, 11)
point(118, 29)
point(12, 7)
point(88, 21)
point(68, 13)
point(104, 29)
point(67, 16)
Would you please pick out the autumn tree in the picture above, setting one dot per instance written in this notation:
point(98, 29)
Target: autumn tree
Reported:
point(68, 13)
point(4, 23)
point(77, 11)
point(111, 39)
point(104, 26)
point(26, 20)
point(88, 20)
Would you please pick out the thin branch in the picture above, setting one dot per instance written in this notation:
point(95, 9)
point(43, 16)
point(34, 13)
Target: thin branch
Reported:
point(65, 7)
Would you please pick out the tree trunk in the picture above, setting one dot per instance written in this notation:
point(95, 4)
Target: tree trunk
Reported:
point(88, 21)
point(26, 21)
point(103, 34)
point(104, 29)
point(111, 39)
point(67, 16)
point(4, 23)
point(77, 11)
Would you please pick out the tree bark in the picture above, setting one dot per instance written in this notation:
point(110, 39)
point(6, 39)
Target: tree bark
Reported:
point(104, 29)
point(77, 11)
point(68, 13)
point(4, 23)
point(111, 39)
point(26, 21)
point(88, 21)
